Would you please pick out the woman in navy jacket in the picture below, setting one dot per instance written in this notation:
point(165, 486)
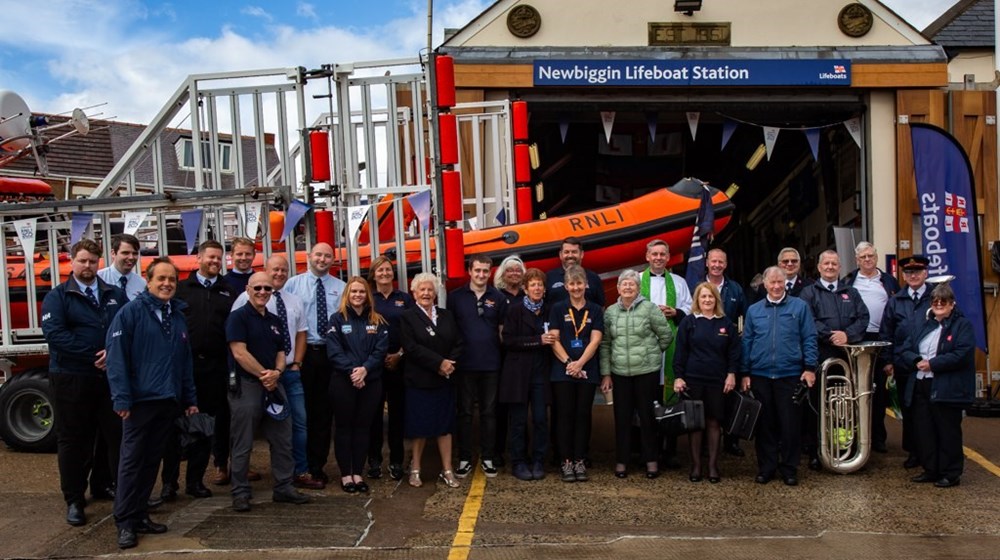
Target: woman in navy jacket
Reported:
point(356, 344)
point(943, 353)
point(705, 366)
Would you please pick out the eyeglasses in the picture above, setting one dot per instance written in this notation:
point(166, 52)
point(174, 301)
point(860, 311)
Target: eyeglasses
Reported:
point(263, 287)
point(936, 302)
point(789, 261)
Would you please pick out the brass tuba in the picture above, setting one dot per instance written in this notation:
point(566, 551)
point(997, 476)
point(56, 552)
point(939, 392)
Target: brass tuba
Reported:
point(845, 414)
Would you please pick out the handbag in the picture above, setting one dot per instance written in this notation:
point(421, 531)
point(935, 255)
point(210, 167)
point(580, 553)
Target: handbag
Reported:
point(681, 417)
point(742, 415)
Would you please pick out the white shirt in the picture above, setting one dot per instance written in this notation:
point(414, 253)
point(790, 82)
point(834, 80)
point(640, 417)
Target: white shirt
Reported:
point(658, 292)
point(875, 297)
point(134, 285)
point(928, 349)
point(293, 308)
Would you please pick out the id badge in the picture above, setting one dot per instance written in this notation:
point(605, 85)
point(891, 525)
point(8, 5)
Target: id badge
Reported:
point(576, 343)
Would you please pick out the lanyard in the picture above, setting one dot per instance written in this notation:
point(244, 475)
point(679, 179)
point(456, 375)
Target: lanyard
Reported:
point(583, 324)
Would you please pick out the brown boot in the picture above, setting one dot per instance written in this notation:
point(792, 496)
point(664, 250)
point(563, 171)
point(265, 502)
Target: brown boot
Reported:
point(221, 476)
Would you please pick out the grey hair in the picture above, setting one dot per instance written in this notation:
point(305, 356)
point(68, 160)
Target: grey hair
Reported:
point(830, 252)
point(656, 243)
point(508, 262)
point(425, 277)
point(575, 272)
point(773, 270)
point(629, 274)
point(789, 250)
point(862, 246)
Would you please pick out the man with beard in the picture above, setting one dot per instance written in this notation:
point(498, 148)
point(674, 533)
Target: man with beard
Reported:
point(75, 320)
point(570, 253)
point(243, 254)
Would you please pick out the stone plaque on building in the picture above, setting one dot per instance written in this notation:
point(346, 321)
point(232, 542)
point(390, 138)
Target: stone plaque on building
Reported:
point(689, 33)
point(524, 21)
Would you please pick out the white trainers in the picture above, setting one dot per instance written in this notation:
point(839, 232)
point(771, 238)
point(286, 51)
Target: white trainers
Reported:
point(463, 470)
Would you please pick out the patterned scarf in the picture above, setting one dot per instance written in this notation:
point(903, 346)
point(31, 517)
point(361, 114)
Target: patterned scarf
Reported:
point(532, 306)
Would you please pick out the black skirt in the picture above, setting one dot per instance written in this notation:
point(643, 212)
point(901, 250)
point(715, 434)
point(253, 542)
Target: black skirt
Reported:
point(709, 393)
point(429, 412)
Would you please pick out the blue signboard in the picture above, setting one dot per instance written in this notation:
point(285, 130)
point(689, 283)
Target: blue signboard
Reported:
point(831, 72)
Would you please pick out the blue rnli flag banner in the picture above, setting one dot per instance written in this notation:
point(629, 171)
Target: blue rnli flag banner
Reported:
point(703, 226)
point(735, 72)
point(948, 219)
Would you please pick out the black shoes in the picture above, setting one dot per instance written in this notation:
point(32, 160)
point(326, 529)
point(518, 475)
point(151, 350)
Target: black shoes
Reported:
point(374, 470)
point(924, 477)
point(762, 478)
point(198, 491)
point(791, 481)
point(127, 538)
point(290, 498)
point(153, 503)
point(735, 450)
point(814, 464)
point(362, 487)
point(149, 527)
point(349, 487)
point(168, 493)
point(396, 471)
point(946, 482)
point(106, 493)
point(694, 477)
point(241, 504)
point(75, 515)
point(652, 474)
point(911, 462)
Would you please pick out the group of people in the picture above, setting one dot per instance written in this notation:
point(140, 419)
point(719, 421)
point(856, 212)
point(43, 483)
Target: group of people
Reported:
point(137, 362)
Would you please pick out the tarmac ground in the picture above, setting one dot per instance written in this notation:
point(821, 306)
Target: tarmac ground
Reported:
point(873, 513)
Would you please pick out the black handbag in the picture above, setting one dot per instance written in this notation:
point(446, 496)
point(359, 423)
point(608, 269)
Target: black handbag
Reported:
point(742, 416)
point(681, 417)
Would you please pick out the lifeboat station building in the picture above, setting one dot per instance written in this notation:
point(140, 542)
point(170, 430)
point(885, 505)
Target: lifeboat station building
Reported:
point(799, 109)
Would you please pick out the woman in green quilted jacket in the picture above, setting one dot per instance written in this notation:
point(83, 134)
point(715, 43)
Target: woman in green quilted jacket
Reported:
point(635, 336)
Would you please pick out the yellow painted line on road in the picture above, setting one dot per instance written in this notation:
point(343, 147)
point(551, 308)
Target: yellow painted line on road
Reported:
point(462, 544)
point(972, 454)
point(981, 461)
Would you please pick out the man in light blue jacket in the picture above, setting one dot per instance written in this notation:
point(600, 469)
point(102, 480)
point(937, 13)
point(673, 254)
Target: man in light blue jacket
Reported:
point(779, 351)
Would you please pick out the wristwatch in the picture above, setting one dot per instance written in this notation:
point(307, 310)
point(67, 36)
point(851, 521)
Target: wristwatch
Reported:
point(566, 363)
point(293, 364)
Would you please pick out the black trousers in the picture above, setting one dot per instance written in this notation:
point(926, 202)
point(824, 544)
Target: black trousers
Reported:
point(635, 395)
point(353, 412)
point(144, 436)
point(779, 428)
point(938, 429)
point(880, 397)
point(393, 396)
point(83, 406)
point(481, 387)
point(909, 429)
point(319, 416)
point(211, 386)
point(572, 413)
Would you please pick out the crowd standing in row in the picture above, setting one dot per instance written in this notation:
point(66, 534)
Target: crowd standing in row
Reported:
point(134, 361)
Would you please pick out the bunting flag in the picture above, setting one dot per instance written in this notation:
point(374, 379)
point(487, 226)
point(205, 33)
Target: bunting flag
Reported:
point(948, 219)
point(812, 136)
point(133, 221)
point(854, 127)
point(703, 226)
point(728, 128)
point(608, 120)
point(473, 223)
point(355, 216)
point(501, 217)
point(651, 125)
point(251, 214)
point(26, 232)
point(770, 137)
point(293, 214)
point(78, 227)
point(563, 128)
point(693, 124)
point(191, 220)
point(421, 204)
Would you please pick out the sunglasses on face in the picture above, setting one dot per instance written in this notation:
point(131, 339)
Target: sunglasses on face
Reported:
point(789, 261)
point(259, 288)
point(940, 302)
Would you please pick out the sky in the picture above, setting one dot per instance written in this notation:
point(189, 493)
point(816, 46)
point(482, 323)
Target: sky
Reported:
point(131, 55)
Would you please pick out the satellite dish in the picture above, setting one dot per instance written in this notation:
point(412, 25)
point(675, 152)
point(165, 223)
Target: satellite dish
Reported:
point(15, 126)
point(80, 121)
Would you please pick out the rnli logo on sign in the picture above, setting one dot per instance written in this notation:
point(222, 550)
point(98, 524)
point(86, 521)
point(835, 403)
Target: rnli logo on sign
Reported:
point(956, 213)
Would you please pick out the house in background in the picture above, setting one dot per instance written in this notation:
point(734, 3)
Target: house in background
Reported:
point(967, 32)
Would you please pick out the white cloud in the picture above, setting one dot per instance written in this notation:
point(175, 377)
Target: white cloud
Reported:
point(306, 10)
point(257, 11)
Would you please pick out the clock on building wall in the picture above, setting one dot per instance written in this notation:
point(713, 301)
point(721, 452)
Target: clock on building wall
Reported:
point(855, 20)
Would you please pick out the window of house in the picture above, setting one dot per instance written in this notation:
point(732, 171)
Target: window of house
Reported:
point(185, 155)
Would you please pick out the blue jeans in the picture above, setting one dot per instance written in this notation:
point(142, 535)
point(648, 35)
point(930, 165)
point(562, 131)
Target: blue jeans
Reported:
point(292, 382)
point(539, 426)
